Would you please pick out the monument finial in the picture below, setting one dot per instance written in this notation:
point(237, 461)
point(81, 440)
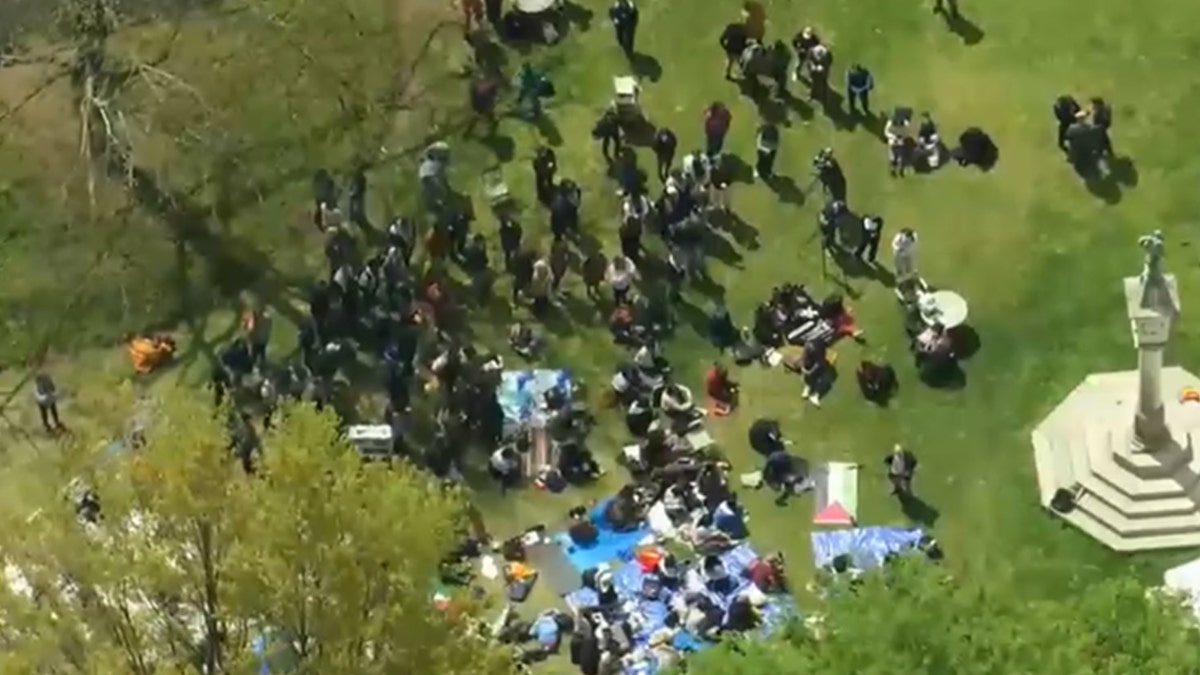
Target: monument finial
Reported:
point(1153, 281)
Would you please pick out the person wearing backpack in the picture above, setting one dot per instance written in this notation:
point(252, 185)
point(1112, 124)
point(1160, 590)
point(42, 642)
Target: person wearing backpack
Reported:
point(545, 166)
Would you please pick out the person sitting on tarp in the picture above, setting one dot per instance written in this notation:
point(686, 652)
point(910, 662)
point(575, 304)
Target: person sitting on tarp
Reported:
point(766, 437)
point(675, 501)
point(624, 511)
point(651, 365)
point(716, 577)
point(576, 463)
point(656, 451)
point(721, 389)
point(704, 536)
point(600, 581)
point(766, 331)
point(669, 570)
point(742, 615)
point(699, 615)
point(712, 486)
point(582, 530)
point(767, 573)
point(730, 518)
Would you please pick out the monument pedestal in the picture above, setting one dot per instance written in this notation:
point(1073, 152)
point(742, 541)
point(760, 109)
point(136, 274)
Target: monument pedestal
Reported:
point(1129, 499)
point(1124, 444)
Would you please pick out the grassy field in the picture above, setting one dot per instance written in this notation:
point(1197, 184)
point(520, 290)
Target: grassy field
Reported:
point(1037, 252)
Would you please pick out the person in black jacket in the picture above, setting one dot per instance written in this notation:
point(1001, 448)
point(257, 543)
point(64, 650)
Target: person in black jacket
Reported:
point(545, 166)
point(1102, 120)
point(803, 42)
point(868, 243)
point(510, 239)
point(859, 84)
point(608, 131)
point(1066, 109)
point(734, 41)
point(828, 220)
point(901, 465)
point(664, 145)
point(624, 17)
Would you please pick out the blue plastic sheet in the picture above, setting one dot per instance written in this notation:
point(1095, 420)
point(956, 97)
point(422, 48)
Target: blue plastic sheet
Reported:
point(628, 580)
point(521, 392)
point(866, 546)
point(609, 547)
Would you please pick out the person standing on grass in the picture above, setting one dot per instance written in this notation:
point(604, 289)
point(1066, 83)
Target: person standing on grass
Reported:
point(734, 40)
point(803, 42)
point(664, 145)
point(767, 145)
point(868, 244)
point(859, 84)
point(541, 283)
point(357, 197)
point(522, 273)
point(814, 364)
point(828, 221)
point(780, 64)
point(621, 274)
point(754, 16)
point(607, 130)
point(257, 325)
point(560, 260)
point(717, 119)
point(1066, 110)
point(820, 60)
point(545, 166)
point(483, 90)
point(1102, 120)
point(45, 394)
point(510, 239)
point(948, 8)
point(475, 262)
point(624, 17)
point(901, 465)
point(904, 256)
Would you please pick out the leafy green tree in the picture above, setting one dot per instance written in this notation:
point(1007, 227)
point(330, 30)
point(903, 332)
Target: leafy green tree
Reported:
point(913, 618)
point(328, 563)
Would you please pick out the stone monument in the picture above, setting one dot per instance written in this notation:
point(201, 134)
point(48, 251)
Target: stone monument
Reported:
point(1116, 458)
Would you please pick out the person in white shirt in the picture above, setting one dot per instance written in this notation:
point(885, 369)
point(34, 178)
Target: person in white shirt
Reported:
point(620, 275)
point(505, 467)
point(904, 255)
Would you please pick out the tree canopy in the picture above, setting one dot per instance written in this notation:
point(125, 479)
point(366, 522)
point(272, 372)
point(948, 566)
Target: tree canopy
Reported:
point(323, 563)
point(913, 618)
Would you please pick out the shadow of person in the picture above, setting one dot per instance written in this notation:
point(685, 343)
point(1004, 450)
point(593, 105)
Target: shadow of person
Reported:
point(738, 170)
point(742, 232)
point(502, 146)
point(577, 15)
point(918, 510)
point(967, 342)
point(964, 28)
point(548, 129)
point(1123, 171)
point(883, 275)
point(786, 189)
point(645, 67)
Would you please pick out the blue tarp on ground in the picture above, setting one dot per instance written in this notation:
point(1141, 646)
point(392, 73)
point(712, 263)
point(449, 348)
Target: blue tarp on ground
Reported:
point(520, 392)
point(610, 546)
point(628, 580)
point(866, 546)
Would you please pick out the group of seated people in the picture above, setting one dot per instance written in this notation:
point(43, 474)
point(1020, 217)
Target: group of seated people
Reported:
point(692, 591)
point(793, 316)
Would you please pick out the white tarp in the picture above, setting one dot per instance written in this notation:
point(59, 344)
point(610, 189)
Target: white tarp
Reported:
point(1185, 580)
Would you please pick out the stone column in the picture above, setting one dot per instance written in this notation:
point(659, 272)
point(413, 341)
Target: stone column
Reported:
point(1153, 304)
point(1150, 423)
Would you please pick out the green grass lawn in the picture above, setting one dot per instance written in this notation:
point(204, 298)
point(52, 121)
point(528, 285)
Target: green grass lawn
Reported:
point(1038, 253)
